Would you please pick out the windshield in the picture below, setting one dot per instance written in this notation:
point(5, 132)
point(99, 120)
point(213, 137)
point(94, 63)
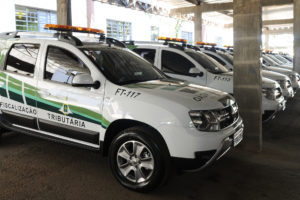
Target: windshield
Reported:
point(207, 62)
point(227, 57)
point(269, 60)
point(122, 66)
point(275, 59)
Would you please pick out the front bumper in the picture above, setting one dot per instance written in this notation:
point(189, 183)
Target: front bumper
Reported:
point(204, 158)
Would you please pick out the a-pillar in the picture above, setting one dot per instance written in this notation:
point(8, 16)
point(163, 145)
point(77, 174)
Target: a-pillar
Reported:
point(64, 15)
point(247, 23)
point(297, 36)
point(198, 24)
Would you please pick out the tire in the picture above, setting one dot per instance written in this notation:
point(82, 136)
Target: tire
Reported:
point(147, 167)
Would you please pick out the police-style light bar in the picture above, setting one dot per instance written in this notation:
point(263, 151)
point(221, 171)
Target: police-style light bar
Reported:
point(228, 46)
point(172, 39)
point(66, 28)
point(206, 43)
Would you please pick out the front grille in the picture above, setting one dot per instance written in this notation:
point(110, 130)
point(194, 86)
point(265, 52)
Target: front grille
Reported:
point(228, 116)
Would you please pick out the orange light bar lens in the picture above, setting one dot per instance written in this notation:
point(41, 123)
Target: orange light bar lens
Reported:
point(206, 43)
point(228, 46)
point(172, 39)
point(58, 27)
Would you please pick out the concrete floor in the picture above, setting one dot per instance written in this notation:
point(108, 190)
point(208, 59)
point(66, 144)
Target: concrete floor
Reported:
point(31, 168)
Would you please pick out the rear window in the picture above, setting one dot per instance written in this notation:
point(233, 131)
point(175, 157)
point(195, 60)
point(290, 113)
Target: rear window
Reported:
point(22, 59)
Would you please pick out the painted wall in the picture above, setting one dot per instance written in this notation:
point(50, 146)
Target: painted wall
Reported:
point(141, 22)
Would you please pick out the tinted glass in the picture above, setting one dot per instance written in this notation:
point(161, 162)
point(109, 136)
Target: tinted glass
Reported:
point(227, 57)
point(122, 66)
point(207, 62)
point(175, 63)
point(22, 59)
point(216, 58)
point(148, 54)
point(62, 65)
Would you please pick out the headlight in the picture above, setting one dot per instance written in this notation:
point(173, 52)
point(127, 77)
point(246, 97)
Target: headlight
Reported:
point(269, 93)
point(293, 77)
point(214, 120)
point(205, 120)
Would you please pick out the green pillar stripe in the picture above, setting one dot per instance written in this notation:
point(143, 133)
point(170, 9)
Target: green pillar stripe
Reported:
point(15, 81)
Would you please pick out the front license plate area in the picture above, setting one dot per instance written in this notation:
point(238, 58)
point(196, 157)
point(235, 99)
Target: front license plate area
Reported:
point(238, 137)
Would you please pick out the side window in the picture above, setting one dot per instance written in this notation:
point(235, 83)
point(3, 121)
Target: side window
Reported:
point(148, 54)
point(62, 65)
point(22, 59)
point(175, 63)
point(216, 58)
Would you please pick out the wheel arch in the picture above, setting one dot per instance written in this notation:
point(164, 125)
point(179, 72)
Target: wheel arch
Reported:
point(119, 125)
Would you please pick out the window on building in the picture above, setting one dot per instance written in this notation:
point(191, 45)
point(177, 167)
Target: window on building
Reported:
point(118, 30)
point(187, 36)
point(62, 65)
point(154, 33)
point(30, 19)
point(175, 63)
point(22, 59)
point(148, 54)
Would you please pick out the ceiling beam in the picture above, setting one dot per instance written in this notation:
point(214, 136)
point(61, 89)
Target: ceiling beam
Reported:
point(269, 22)
point(276, 2)
point(205, 7)
point(278, 22)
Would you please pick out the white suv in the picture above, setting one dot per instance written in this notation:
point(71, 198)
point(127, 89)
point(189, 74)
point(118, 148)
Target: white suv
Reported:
point(101, 96)
point(180, 62)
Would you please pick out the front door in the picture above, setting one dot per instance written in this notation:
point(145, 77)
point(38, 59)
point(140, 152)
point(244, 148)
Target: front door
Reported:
point(67, 112)
point(178, 66)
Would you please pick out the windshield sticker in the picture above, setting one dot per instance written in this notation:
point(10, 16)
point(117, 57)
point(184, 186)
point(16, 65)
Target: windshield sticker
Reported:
point(200, 97)
point(124, 92)
point(222, 78)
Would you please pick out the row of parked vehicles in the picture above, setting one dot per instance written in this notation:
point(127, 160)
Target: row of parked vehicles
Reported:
point(170, 107)
point(207, 65)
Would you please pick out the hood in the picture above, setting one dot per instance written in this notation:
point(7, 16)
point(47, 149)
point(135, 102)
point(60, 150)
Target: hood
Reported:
point(274, 75)
point(268, 83)
point(191, 96)
point(281, 70)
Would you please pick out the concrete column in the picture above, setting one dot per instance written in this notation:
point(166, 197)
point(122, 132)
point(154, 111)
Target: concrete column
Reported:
point(247, 23)
point(64, 14)
point(297, 36)
point(198, 24)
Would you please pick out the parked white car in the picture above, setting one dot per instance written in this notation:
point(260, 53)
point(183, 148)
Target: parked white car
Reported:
point(102, 96)
point(187, 64)
point(226, 60)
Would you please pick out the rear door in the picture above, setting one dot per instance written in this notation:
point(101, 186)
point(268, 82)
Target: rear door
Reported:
point(67, 112)
point(18, 85)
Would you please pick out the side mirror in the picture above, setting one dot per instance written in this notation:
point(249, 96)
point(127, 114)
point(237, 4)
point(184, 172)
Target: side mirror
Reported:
point(84, 80)
point(195, 72)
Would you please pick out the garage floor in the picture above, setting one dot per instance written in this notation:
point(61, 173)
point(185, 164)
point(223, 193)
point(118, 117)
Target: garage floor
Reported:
point(31, 168)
